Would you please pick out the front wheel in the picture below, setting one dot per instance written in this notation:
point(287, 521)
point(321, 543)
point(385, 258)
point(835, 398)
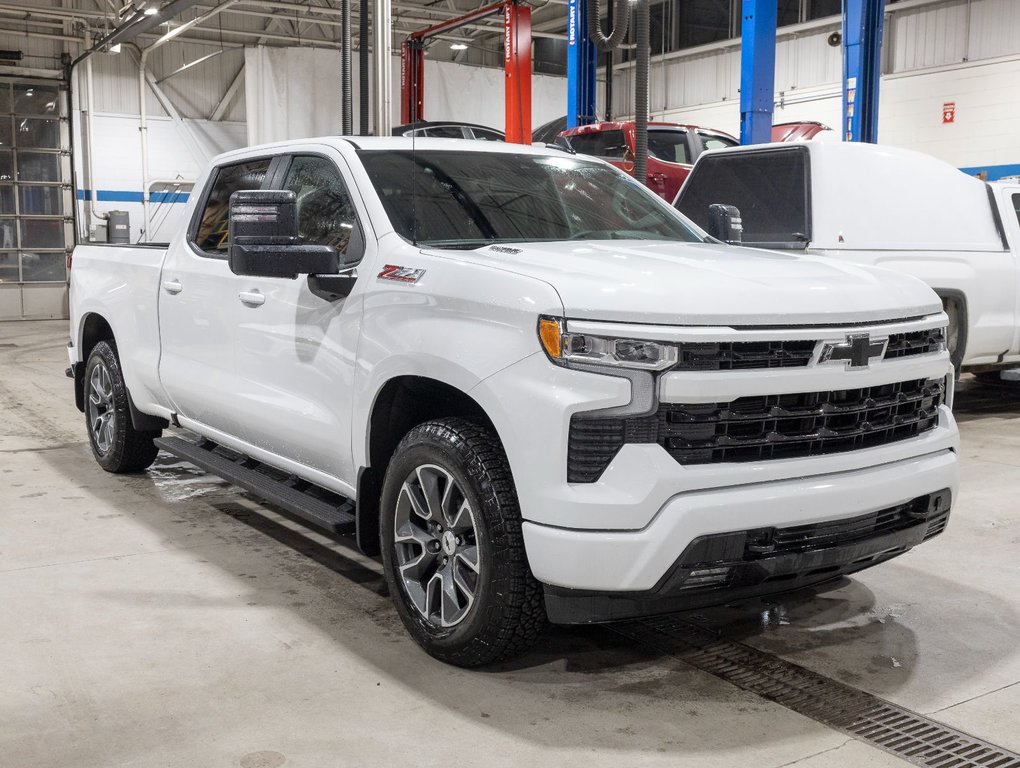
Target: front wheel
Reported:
point(117, 446)
point(453, 551)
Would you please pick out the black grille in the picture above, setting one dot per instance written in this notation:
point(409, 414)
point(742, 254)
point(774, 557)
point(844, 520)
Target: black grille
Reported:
point(803, 538)
point(745, 355)
point(914, 343)
point(761, 428)
point(741, 355)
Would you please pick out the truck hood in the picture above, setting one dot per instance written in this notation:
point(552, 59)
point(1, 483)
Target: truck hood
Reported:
point(709, 284)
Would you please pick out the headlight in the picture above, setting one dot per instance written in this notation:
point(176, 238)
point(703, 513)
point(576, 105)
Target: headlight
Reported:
point(564, 348)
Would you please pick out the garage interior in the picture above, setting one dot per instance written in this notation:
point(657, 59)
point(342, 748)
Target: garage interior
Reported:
point(169, 618)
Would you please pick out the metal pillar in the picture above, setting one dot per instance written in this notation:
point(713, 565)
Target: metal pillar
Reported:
point(516, 64)
point(863, 22)
point(581, 62)
point(382, 22)
point(412, 81)
point(757, 70)
point(517, 69)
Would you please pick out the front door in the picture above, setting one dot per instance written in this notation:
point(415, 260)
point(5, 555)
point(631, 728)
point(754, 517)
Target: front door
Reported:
point(198, 302)
point(295, 350)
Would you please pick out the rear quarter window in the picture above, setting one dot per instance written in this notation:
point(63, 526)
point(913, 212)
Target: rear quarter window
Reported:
point(770, 188)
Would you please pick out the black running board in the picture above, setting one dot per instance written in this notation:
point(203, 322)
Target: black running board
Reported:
point(312, 504)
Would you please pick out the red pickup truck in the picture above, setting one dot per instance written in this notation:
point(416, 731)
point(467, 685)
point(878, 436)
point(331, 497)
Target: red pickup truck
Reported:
point(672, 149)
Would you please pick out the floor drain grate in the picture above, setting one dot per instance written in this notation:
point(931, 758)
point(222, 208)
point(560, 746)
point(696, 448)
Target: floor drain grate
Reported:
point(900, 731)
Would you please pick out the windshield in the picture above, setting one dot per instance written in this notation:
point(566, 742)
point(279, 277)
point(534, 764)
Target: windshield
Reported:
point(456, 199)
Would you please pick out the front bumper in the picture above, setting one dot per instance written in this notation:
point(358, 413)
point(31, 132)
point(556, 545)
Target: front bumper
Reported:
point(639, 561)
point(764, 561)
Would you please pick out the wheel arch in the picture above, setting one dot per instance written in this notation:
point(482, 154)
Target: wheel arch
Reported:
point(94, 329)
point(956, 298)
point(401, 404)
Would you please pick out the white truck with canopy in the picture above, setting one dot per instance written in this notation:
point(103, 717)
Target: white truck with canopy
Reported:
point(886, 207)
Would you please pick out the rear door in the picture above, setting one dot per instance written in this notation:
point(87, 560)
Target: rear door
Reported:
point(198, 302)
point(295, 350)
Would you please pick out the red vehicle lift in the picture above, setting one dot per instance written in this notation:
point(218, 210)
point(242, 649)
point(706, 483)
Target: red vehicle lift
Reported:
point(516, 65)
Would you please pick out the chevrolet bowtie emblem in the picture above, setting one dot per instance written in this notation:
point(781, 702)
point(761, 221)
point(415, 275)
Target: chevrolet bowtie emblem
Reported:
point(857, 351)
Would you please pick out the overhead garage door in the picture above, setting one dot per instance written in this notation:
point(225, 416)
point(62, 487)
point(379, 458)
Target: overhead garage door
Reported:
point(36, 231)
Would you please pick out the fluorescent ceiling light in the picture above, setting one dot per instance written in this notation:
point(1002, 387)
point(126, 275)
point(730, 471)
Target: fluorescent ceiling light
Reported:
point(458, 47)
point(114, 48)
point(151, 10)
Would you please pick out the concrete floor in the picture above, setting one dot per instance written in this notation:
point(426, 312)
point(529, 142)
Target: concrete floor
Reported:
point(169, 620)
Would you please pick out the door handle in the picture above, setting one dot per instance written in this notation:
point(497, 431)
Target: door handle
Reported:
point(252, 298)
point(172, 286)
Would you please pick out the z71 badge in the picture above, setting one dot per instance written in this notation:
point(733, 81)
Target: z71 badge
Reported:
point(401, 274)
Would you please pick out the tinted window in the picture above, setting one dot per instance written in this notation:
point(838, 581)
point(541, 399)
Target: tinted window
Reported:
point(600, 144)
point(484, 134)
point(445, 132)
point(717, 142)
point(212, 228)
point(470, 199)
point(325, 212)
point(770, 189)
point(670, 146)
point(1016, 206)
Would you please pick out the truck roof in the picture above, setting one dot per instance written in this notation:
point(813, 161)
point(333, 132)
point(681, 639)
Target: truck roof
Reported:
point(393, 143)
point(873, 197)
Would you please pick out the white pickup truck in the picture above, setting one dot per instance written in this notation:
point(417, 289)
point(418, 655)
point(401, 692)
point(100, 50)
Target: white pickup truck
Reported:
point(538, 390)
point(885, 207)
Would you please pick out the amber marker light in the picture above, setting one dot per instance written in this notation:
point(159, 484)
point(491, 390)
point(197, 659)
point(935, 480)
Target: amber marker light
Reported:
point(549, 333)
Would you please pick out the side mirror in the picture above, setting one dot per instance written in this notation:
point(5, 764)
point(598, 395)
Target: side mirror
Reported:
point(263, 238)
point(724, 223)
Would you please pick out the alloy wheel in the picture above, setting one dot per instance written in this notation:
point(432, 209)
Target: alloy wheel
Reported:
point(436, 545)
point(101, 412)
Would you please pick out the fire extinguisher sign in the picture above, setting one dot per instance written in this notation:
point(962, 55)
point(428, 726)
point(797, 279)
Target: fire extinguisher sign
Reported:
point(948, 112)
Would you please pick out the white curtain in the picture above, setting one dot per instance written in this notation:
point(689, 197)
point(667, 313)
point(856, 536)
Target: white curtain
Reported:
point(291, 93)
point(294, 93)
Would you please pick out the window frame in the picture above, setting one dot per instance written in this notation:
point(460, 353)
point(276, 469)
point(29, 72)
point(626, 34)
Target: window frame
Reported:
point(196, 216)
point(279, 176)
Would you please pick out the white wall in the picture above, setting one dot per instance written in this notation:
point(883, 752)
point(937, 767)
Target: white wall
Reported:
point(180, 150)
point(117, 164)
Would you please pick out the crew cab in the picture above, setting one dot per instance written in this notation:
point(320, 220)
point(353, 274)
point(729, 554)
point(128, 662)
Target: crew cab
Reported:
point(886, 207)
point(672, 149)
point(526, 381)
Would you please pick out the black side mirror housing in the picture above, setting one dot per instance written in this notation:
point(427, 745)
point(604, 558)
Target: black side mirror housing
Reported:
point(263, 238)
point(725, 223)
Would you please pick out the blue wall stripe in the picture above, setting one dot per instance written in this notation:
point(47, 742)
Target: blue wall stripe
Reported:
point(994, 171)
point(128, 196)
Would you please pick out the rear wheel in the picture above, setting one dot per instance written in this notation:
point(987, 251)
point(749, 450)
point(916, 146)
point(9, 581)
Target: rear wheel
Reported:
point(453, 552)
point(116, 444)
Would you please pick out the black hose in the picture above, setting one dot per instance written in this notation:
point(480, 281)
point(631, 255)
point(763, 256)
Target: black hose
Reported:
point(641, 93)
point(346, 104)
point(363, 31)
point(621, 15)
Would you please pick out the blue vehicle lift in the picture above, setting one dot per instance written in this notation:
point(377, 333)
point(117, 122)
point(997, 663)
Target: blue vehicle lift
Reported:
point(581, 61)
point(863, 23)
point(757, 70)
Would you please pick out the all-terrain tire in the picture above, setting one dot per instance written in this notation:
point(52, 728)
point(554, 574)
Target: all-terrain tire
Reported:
point(506, 613)
point(117, 446)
